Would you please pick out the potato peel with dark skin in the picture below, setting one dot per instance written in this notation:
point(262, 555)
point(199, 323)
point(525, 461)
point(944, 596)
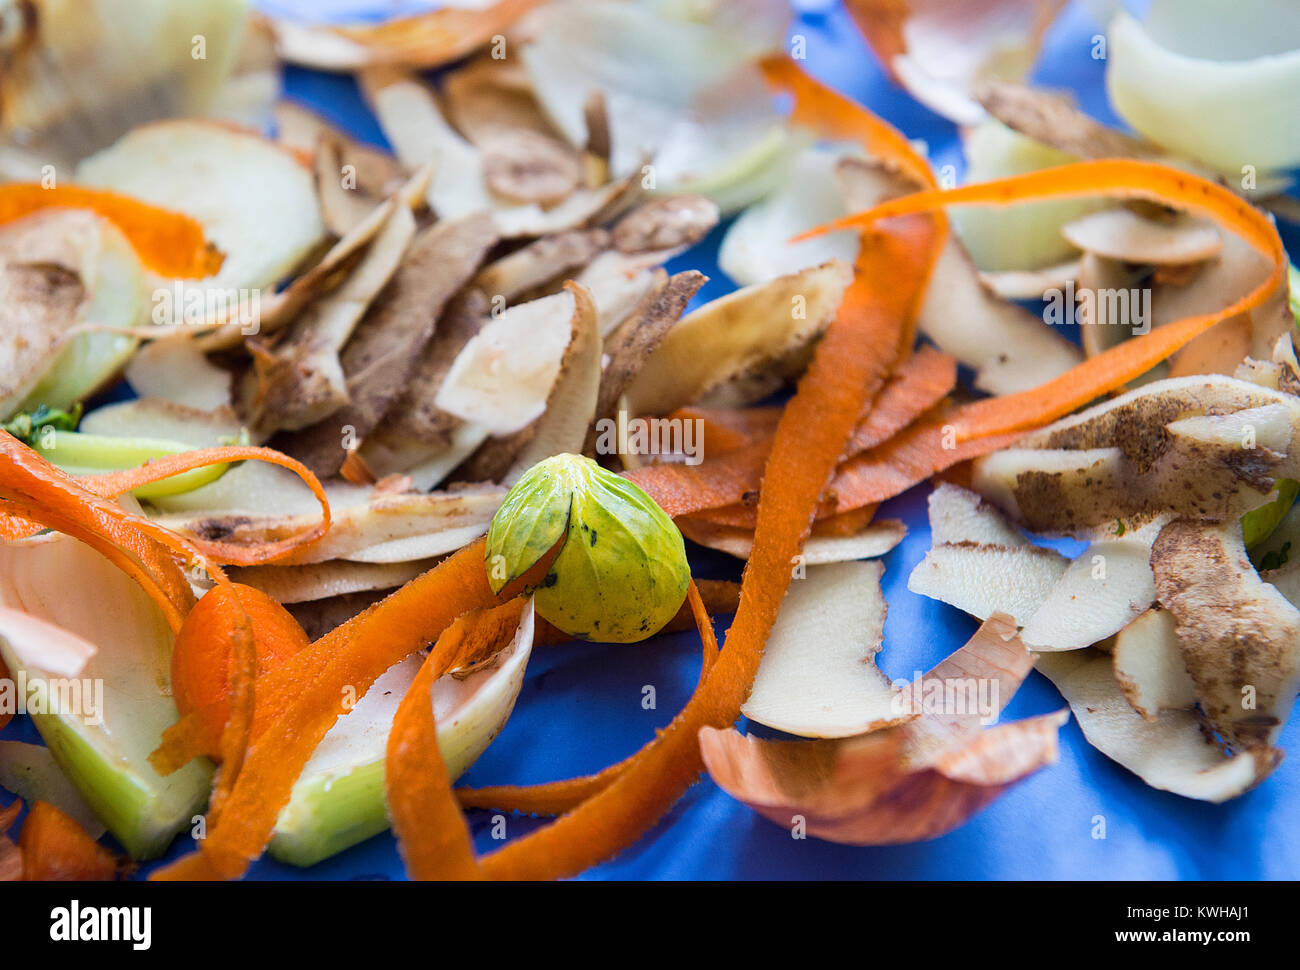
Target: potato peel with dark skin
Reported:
point(1240, 636)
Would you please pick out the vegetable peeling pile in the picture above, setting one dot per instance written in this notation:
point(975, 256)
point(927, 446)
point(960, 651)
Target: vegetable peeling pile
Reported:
point(597, 375)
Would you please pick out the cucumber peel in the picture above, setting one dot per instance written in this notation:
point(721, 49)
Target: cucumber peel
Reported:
point(79, 453)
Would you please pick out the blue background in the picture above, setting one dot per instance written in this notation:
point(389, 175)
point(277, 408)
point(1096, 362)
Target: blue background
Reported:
point(580, 708)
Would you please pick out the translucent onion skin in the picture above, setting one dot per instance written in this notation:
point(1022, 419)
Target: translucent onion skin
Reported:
point(1227, 114)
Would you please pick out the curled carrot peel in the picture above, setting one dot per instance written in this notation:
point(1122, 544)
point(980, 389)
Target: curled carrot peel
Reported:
point(169, 243)
point(113, 484)
point(317, 686)
point(558, 797)
point(33, 488)
point(55, 848)
point(201, 654)
point(1111, 369)
point(832, 115)
point(455, 585)
point(429, 827)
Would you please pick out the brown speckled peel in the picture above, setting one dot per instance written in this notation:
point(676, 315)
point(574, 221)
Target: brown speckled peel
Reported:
point(1240, 637)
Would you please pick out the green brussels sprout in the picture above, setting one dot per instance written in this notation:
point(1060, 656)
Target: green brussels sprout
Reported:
point(620, 573)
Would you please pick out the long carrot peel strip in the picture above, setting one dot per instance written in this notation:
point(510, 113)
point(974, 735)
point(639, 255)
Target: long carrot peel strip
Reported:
point(35, 489)
point(848, 368)
point(314, 689)
point(833, 115)
point(926, 448)
point(56, 848)
point(1122, 178)
point(113, 484)
point(430, 830)
point(169, 243)
point(558, 797)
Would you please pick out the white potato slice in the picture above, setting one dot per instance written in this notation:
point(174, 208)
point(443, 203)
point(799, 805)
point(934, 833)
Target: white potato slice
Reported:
point(301, 380)
point(1010, 348)
point(979, 562)
point(154, 417)
point(318, 581)
point(1122, 234)
point(408, 112)
point(571, 405)
point(1240, 636)
point(502, 378)
point(1170, 753)
point(1100, 593)
point(1149, 668)
point(1031, 284)
point(983, 580)
point(875, 539)
point(1208, 446)
point(254, 199)
point(379, 528)
point(818, 678)
point(176, 370)
point(958, 515)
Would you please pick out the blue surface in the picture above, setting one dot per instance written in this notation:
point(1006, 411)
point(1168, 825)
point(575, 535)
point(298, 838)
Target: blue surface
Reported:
point(581, 704)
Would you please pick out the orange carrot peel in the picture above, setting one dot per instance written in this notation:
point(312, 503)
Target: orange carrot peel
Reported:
point(558, 797)
point(113, 484)
point(169, 243)
point(428, 825)
point(849, 367)
point(31, 488)
point(57, 849)
point(309, 692)
point(1111, 369)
